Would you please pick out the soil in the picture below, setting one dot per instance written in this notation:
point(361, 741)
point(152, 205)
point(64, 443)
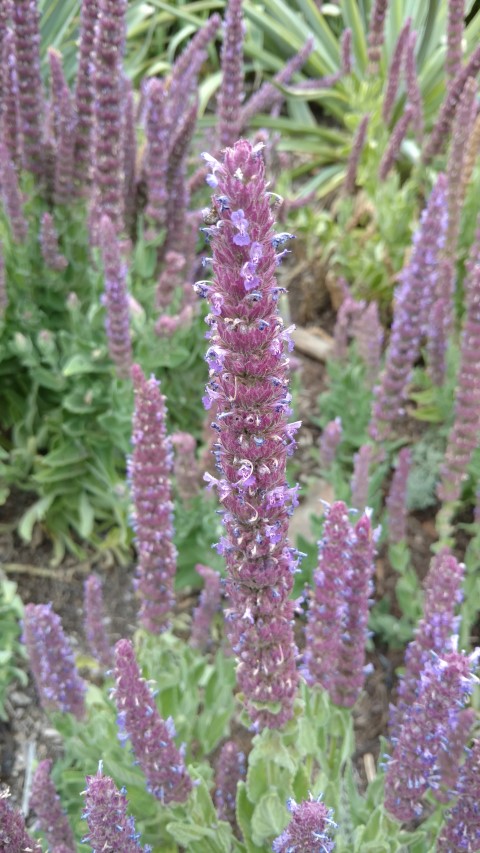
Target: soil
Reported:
point(28, 734)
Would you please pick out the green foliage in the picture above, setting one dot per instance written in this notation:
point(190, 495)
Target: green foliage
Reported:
point(12, 653)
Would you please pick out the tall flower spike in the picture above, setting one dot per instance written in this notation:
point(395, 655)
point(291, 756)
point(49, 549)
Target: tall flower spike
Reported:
point(156, 152)
point(397, 499)
point(185, 466)
point(326, 617)
point(46, 804)
point(129, 144)
point(230, 771)
point(358, 145)
point(64, 129)
point(94, 621)
point(376, 33)
point(108, 161)
point(346, 51)
point(105, 811)
point(52, 663)
point(208, 606)
point(414, 95)
point(310, 828)
point(150, 736)
point(443, 586)
point(463, 437)
point(413, 297)
point(177, 187)
point(10, 103)
point(31, 99)
point(349, 674)
point(268, 96)
point(231, 92)
point(13, 832)
point(331, 438)
point(12, 198)
point(84, 91)
point(455, 24)
point(49, 244)
point(445, 686)
point(361, 476)
point(395, 71)
point(117, 322)
point(185, 70)
point(368, 335)
point(440, 133)
point(249, 382)
point(465, 115)
point(461, 830)
point(440, 321)
point(150, 467)
point(392, 151)
point(450, 763)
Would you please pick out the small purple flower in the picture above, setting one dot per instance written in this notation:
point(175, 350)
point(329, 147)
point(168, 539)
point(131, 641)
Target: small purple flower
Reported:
point(445, 685)
point(52, 663)
point(310, 828)
point(241, 224)
point(150, 736)
point(94, 621)
point(47, 806)
point(230, 771)
point(105, 811)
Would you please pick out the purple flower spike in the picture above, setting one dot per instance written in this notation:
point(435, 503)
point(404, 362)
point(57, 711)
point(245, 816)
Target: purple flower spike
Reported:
point(156, 152)
point(117, 322)
point(46, 804)
point(360, 479)
point(443, 586)
point(84, 91)
point(209, 605)
point(186, 470)
point(331, 438)
point(49, 244)
point(108, 84)
point(231, 92)
point(465, 115)
point(12, 198)
point(441, 129)
point(455, 25)
point(392, 151)
point(358, 145)
point(31, 99)
point(10, 104)
point(450, 763)
point(413, 299)
point(327, 611)
point(94, 621)
point(249, 386)
point(368, 334)
point(52, 663)
point(461, 831)
point(150, 736)
point(310, 828)
point(349, 675)
point(149, 468)
point(414, 94)
point(64, 122)
point(231, 770)
point(395, 71)
point(346, 51)
point(445, 685)
point(105, 811)
point(397, 499)
point(463, 438)
point(376, 32)
point(14, 837)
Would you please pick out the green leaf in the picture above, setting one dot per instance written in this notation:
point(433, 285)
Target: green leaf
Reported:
point(269, 818)
point(35, 513)
point(244, 814)
point(80, 363)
